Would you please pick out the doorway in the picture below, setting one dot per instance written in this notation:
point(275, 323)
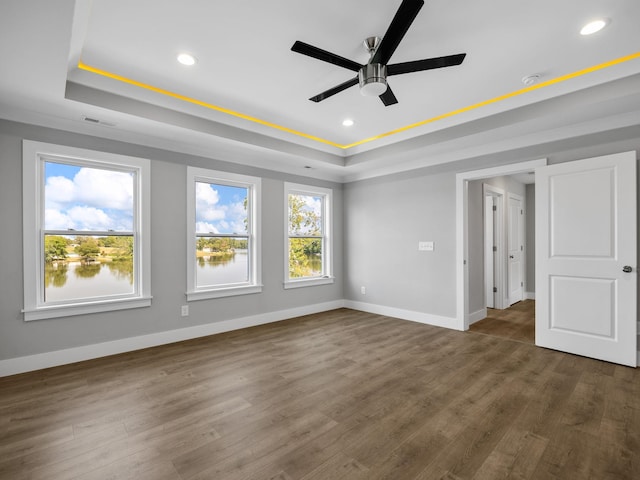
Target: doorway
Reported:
point(570, 212)
point(462, 219)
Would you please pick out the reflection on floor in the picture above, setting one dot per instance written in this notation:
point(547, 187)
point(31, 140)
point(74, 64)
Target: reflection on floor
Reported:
point(515, 323)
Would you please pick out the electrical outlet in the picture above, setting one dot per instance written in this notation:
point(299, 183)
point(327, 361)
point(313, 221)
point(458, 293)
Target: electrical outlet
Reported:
point(363, 290)
point(184, 310)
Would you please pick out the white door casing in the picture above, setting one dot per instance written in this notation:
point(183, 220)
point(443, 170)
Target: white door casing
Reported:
point(515, 241)
point(462, 218)
point(489, 250)
point(585, 237)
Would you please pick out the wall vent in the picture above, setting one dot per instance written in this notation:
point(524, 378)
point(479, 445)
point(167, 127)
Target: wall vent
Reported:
point(98, 121)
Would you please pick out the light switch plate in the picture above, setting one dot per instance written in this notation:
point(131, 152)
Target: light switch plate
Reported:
point(425, 246)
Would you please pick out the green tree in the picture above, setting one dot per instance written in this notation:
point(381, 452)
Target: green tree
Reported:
point(87, 248)
point(55, 275)
point(124, 247)
point(302, 219)
point(303, 251)
point(55, 248)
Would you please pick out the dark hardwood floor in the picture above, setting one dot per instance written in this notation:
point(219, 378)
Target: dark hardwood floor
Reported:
point(515, 323)
point(339, 395)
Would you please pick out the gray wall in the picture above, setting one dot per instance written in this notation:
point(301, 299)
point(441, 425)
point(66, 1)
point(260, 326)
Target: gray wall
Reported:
point(384, 221)
point(168, 252)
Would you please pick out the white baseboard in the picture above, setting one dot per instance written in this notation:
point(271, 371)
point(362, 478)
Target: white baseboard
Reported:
point(529, 295)
point(29, 363)
point(477, 316)
point(426, 318)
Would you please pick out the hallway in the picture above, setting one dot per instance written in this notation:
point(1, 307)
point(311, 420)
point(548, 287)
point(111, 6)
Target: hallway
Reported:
point(514, 323)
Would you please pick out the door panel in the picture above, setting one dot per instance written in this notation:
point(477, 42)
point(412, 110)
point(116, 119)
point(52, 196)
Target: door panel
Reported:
point(583, 305)
point(516, 252)
point(576, 238)
point(489, 253)
point(585, 235)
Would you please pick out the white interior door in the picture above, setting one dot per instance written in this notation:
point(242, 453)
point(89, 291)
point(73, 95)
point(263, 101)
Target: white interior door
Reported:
point(586, 258)
point(516, 249)
point(489, 250)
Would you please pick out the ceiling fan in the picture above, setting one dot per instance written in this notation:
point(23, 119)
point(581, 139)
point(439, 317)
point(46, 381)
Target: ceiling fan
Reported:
point(372, 76)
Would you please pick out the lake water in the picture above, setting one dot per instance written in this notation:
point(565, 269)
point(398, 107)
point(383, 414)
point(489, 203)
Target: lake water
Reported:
point(76, 281)
point(223, 269)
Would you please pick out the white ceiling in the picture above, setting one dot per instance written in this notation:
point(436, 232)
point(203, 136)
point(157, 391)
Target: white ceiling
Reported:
point(245, 66)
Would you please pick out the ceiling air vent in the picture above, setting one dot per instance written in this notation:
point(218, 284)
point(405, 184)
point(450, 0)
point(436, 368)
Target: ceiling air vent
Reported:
point(98, 121)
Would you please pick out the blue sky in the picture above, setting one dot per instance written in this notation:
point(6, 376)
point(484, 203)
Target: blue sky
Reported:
point(220, 208)
point(82, 198)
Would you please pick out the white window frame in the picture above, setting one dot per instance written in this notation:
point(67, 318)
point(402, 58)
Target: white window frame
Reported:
point(253, 184)
point(326, 277)
point(34, 155)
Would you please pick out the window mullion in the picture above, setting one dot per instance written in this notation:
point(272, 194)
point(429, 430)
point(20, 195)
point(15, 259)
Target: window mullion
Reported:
point(222, 235)
point(90, 233)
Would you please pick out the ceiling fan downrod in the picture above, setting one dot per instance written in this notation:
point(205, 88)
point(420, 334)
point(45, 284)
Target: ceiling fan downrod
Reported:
point(372, 77)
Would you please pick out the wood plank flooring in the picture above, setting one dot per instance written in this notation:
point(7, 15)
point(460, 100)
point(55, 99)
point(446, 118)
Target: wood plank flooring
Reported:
point(515, 323)
point(338, 395)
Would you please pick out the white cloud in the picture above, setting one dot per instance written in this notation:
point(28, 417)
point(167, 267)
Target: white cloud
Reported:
point(206, 194)
point(205, 227)
point(212, 216)
point(94, 199)
point(59, 190)
point(90, 218)
point(104, 188)
point(207, 200)
point(56, 220)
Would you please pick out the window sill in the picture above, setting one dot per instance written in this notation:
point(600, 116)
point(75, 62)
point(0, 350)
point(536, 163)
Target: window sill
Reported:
point(223, 292)
point(69, 310)
point(308, 282)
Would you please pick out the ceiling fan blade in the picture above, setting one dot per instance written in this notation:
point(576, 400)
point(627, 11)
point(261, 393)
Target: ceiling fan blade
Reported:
point(401, 22)
point(334, 90)
point(315, 52)
point(388, 98)
point(426, 64)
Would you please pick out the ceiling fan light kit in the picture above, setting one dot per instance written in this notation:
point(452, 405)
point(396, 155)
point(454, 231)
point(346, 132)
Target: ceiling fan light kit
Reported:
point(372, 76)
point(373, 79)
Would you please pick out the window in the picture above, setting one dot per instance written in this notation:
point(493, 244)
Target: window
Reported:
point(85, 220)
point(308, 232)
point(223, 234)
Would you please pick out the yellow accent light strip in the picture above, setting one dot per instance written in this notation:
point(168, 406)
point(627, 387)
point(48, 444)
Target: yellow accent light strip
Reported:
point(500, 98)
point(227, 111)
point(184, 98)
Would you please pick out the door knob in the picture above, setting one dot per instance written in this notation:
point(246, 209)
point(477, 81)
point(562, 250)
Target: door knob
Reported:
point(627, 269)
point(510, 256)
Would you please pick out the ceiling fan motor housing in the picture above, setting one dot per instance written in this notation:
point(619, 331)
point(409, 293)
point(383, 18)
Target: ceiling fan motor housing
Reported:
point(373, 79)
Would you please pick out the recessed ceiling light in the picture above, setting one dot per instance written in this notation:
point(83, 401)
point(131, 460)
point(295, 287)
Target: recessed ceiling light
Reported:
point(186, 59)
point(347, 122)
point(595, 26)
